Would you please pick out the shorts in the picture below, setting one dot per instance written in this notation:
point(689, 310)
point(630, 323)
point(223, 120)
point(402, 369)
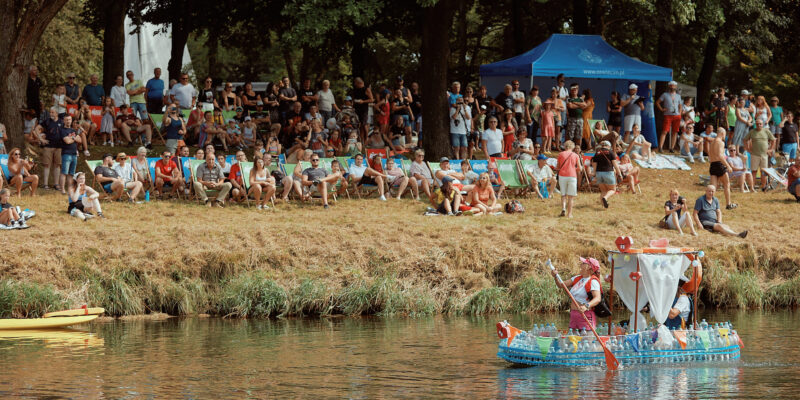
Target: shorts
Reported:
point(458, 140)
point(141, 108)
point(606, 178)
point(407, 121)
point(790, 149)
point(792, 189)
point(367, 180)
point(568, 185)
point(671, 122)
point(775, 129)
point(708, 224)
point(172, 145)
point(717, 168)
point(576, 320)
point(51, 156)
point(693, 150)
point(758, 162)
point(107, 187)
point(635, 150)
point(681, 221)
point(441, 209)
point(631, 120)
point(68, 164)
point(574, 130)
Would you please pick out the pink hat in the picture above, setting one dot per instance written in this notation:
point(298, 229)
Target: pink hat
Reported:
point(592, 263)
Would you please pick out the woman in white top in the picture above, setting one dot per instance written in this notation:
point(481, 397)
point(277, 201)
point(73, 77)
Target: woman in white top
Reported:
point(740, 171)
point(261, 182)
point(60, 100)
point(118, 92)
point(421, 173)
point(141, 165)
point(129, 176)
point(639, 147)
point(492, 139)
point(762, 110)
point(397, 178)
point(577, 286)
point(82, 199)
point(688, 110)
point(326, 102)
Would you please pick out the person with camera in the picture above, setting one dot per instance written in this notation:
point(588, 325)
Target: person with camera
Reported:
point(460, 120)
point(676, 214)
point(402, 107)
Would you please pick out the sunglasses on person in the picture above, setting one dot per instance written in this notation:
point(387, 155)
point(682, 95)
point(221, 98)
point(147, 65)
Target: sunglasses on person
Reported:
point(165, 155)
point(15, 154)
point(315, 160)
point(330, 150)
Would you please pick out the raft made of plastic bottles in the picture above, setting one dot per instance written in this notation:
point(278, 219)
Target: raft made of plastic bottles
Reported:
point(547, 346)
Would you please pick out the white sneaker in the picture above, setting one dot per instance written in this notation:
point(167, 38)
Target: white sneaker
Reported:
point(691, 159)
point(383, 198)
point(702, 159)
point(265, 207)
point(258, 207)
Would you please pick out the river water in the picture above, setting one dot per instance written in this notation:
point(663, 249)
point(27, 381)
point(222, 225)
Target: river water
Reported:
point(372, 357)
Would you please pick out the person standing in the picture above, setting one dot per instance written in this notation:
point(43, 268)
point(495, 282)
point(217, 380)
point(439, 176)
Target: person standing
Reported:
point(460, 121)
point(743, 123)
point(533, 112)
point(184, 93)
point(575, 107)
point(777, 116)
point(760, 142)
point(670, 104)
point(93, 93)
point(720, 107)
point(719, 167)
point(326, 102)
point(362, 101)
point(155, 93)
point(69, 152)
point(789, 140)
point(567, 168)
point(587, 118)
point(136, 92)
point(633, 105)
point(118, 92)
point(35, 84)
point(73, 92)
point(518, 97)
point(52, 149)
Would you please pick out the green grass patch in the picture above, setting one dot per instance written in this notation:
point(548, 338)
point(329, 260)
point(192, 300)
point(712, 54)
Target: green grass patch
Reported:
point(310, 297)
point(28, 300)
point(383, 296)
point(537, 294)
point(784, 294)
point(252, 295)
point(488, 300)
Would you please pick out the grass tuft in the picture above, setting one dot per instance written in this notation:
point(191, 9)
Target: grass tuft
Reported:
point(252, 295)
point(28, 300)
point(310, 297)
point(488, 300)
point(537, 294)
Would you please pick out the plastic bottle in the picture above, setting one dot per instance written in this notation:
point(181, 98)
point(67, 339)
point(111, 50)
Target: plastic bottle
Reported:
point(147, 195)
point(703, 325)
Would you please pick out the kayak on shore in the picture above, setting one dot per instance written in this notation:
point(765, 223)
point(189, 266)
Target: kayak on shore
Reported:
point(56, 319)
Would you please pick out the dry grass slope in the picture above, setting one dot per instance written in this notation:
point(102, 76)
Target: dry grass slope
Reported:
point(372, 257)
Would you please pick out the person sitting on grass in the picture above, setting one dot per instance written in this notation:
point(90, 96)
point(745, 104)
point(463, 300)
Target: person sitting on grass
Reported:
point(629, 173)
point(19, 169)
point(238, 193)
point(421, 173)
point(446, 198)
point(494, 177)
point(261, 182)
point(361, 174)
point(83, 200)
point(676, 214)
point(542, 179)
point(691, 144)
point(708, 214)
point(8, 213)
point(482, 196)
point(108, 178)
point(129, 177)
point(168, 175)
point(209, 177)
point(397, 178)
point(738, 170)
point(316, 178)
point(793, 177)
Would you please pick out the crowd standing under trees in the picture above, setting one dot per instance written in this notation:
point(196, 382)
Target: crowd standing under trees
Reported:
point(307, 141)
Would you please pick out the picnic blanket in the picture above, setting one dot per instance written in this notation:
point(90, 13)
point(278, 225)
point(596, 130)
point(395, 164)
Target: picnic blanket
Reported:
point(664, 161)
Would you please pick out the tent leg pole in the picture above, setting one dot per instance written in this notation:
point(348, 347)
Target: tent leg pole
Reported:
point(610, 300)
point(636, 302)
point(696, 297)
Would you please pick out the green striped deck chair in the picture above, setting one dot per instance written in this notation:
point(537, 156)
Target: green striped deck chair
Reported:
point(523, 168)
point(278, 185)
point(434, 166)
point(324, 163)
point(509, 173)
point(92, 164)
point(156, 120)
point(193, 164)
point(245, 167)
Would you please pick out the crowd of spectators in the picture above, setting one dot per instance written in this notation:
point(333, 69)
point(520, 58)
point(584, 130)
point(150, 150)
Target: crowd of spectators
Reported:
point(308, 123)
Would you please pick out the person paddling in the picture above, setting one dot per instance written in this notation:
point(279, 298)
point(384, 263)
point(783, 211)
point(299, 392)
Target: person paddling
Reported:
point(581, 286)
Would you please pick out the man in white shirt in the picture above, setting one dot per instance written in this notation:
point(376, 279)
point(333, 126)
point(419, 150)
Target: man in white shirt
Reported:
point(457, 177)
point(671, 105)
point(184, 93)
point(541, 174)
point(691, 144)
point(460, 120)
point(519, 103)
point(361, 174)
point(632, 107)
point(492, 139)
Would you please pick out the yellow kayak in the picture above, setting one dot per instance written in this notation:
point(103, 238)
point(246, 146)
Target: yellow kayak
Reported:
point(75, 312)
point(44, 323)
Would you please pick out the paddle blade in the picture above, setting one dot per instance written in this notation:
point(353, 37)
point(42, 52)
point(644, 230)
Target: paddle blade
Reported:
point(611, 361)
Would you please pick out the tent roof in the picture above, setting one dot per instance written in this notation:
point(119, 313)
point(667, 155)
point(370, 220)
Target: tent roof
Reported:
point(576, 56)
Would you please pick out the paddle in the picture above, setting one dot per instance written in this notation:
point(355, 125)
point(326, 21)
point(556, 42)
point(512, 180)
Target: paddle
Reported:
point(611, 361)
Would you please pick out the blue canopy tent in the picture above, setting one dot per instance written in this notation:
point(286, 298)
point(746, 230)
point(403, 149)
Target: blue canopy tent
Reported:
point(584, 59)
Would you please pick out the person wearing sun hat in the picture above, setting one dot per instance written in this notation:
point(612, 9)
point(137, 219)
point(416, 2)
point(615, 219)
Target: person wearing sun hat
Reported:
point(585, 288)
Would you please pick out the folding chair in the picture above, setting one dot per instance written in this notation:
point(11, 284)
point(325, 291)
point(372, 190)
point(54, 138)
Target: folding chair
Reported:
point(357, 187)
point(509, 173)
point(382, 152)
point(245, 167)
point(327, 167)
point(193, 164)
point(92, 164)
point(586, 159)
point(155, 123)
point(775, 180)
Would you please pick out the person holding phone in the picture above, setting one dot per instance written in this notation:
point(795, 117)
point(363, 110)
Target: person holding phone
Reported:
point(676, 214)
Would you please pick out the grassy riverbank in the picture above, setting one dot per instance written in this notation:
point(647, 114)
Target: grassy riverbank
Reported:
point(370, 257)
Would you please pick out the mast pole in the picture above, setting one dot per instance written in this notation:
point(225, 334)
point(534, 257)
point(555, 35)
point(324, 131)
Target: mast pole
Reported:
point(610, 299)
point(636, 301)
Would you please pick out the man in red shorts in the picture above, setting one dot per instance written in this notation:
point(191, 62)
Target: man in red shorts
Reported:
point(671, 105)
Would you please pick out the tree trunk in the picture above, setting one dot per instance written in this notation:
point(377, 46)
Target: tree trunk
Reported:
point(597, 23)
point(305, 63)
point(358, 55)
point(23, 23)
point(520, 45)
point(580, 18)
point(461, 42)
point(113, 42)
point(180, 35)
point(437, 21)
point(707, 70)
point(287, 59)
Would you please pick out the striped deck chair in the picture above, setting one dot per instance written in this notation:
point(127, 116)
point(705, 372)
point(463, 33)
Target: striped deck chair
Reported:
point(193, 164)
point(92, 164)
point(510, 174)
point(368, 188)
point(324, 163)
point(434, 166)
point(586, 159)
point(245, 167)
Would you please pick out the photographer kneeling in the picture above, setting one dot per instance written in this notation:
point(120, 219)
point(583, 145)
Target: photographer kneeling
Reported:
point(677, 215)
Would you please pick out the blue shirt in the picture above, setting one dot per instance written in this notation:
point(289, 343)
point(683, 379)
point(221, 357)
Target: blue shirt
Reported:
point(155, 89)
point(706, 211)
point(93, 95)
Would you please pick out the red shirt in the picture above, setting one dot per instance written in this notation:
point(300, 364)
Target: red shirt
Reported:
point(235, 174)
point(376, 165)
point(166, 169)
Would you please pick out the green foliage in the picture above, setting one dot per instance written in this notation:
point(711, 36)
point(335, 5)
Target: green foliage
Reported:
point(310, 297)
point(537, 294)
point(488, 300)
point(67, 45)
point(28, 300)
point(252, 295)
